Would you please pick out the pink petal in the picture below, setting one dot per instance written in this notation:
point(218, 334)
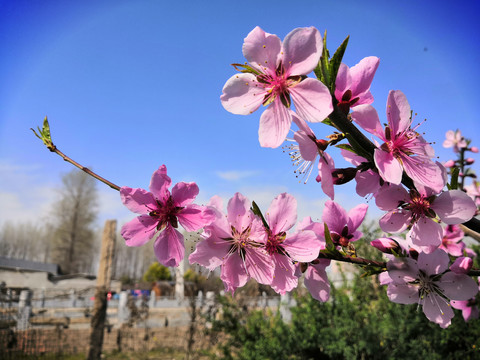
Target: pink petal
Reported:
point(139, 231)
point(308, 148)
point(259, 265)
point(362, 76)
point(312, 100)
point(242, 94)
point(426, 232)
point(282, 213)
point(302, 48)
point(193, 217)
point(262, 50)
point(325, 167)
point(458, 286)
point(239, 214)
point(274, 125)
point(160, 183)
point(233, 273)
point(210, 253)
point(398, 112)
point(454, 207)
point(434, 263)
point(303, 246)
point(139, 201)
point(169, 248)
point(437, 310)
point(356, 217)
point(402, 270)
point(284, 278)
point(423, 170)
point(395, 221)
point(402, 293)
point(335, 216)
point(368, 182)
point(317, 283)
point(388, 166)
point(184, 193)
point(367, 118)
point(343, 81)
point(389, 196)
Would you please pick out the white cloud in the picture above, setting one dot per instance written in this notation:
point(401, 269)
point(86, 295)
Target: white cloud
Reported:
point(235, 175)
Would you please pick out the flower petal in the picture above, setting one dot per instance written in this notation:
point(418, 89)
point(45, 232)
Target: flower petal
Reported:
point(139, 231)
point(259, 265)
point(402, 293)
point(398, 112)
point(284, 278)
point(274, 125)
point(335, 216)
point(367, 118)
point(437, 310)
point(454, 207)
point(160, 183)
point(434, 263)
point(312, 100)
point(262, 50)
point(317, 283)
point(239, 214)
point(169, 248)
point(356, 217)
point(362, 76)
point(282, 213)
point(389, 196)
point(139, 201)
point(193, 217)
point(242, 94)
point(302, 48)
point(388, 166)
point(458, 286)
point(303, 246)
point(426, 232)
point(210, 253)
point(184, 193)
point(233, 273)
point(395, 221)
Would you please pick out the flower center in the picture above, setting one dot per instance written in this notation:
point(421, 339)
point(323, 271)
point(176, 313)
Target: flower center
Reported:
point(274, 243)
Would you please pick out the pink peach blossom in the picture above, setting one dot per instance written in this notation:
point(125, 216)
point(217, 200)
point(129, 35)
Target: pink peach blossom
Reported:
point(274, 76)
point(352, 85)
point(236, 242)
point(403, 149)
point(162, 210)
point(427, 283)
point(454, 139)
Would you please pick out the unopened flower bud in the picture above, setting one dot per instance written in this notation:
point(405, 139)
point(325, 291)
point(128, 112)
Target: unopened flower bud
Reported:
point(474, 149)
point(449, 164)
point(342, 176)
point(386, 245)
point(462, 265)
point(469, 161)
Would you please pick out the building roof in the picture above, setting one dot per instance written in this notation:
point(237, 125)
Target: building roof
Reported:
point(27, 265)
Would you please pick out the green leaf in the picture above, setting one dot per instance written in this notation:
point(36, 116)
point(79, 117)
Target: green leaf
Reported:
point(328, 238)
point(329, 122)
point(322, 69)
point(256, 210)
point(46, 131)
point(454, 178)
point(347, 147)
point(336, 61)
point(358, 149)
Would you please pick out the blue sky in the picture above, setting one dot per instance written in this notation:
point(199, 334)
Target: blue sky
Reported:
point(131, 85)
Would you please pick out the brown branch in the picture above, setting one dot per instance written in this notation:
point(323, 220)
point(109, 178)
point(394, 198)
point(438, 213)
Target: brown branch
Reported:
point(353, 260)
point(54, 149)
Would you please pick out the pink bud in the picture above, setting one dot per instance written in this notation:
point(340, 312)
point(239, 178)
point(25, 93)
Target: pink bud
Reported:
point(469, 161)
point(449, 164)
point(386, 245)
point(474, 149)
point(462, 265)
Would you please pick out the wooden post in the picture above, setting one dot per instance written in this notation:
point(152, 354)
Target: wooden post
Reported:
point(103, 285)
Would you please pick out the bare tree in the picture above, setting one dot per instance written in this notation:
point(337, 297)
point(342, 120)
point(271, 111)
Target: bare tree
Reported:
point(74, 215)
point(26, 241)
